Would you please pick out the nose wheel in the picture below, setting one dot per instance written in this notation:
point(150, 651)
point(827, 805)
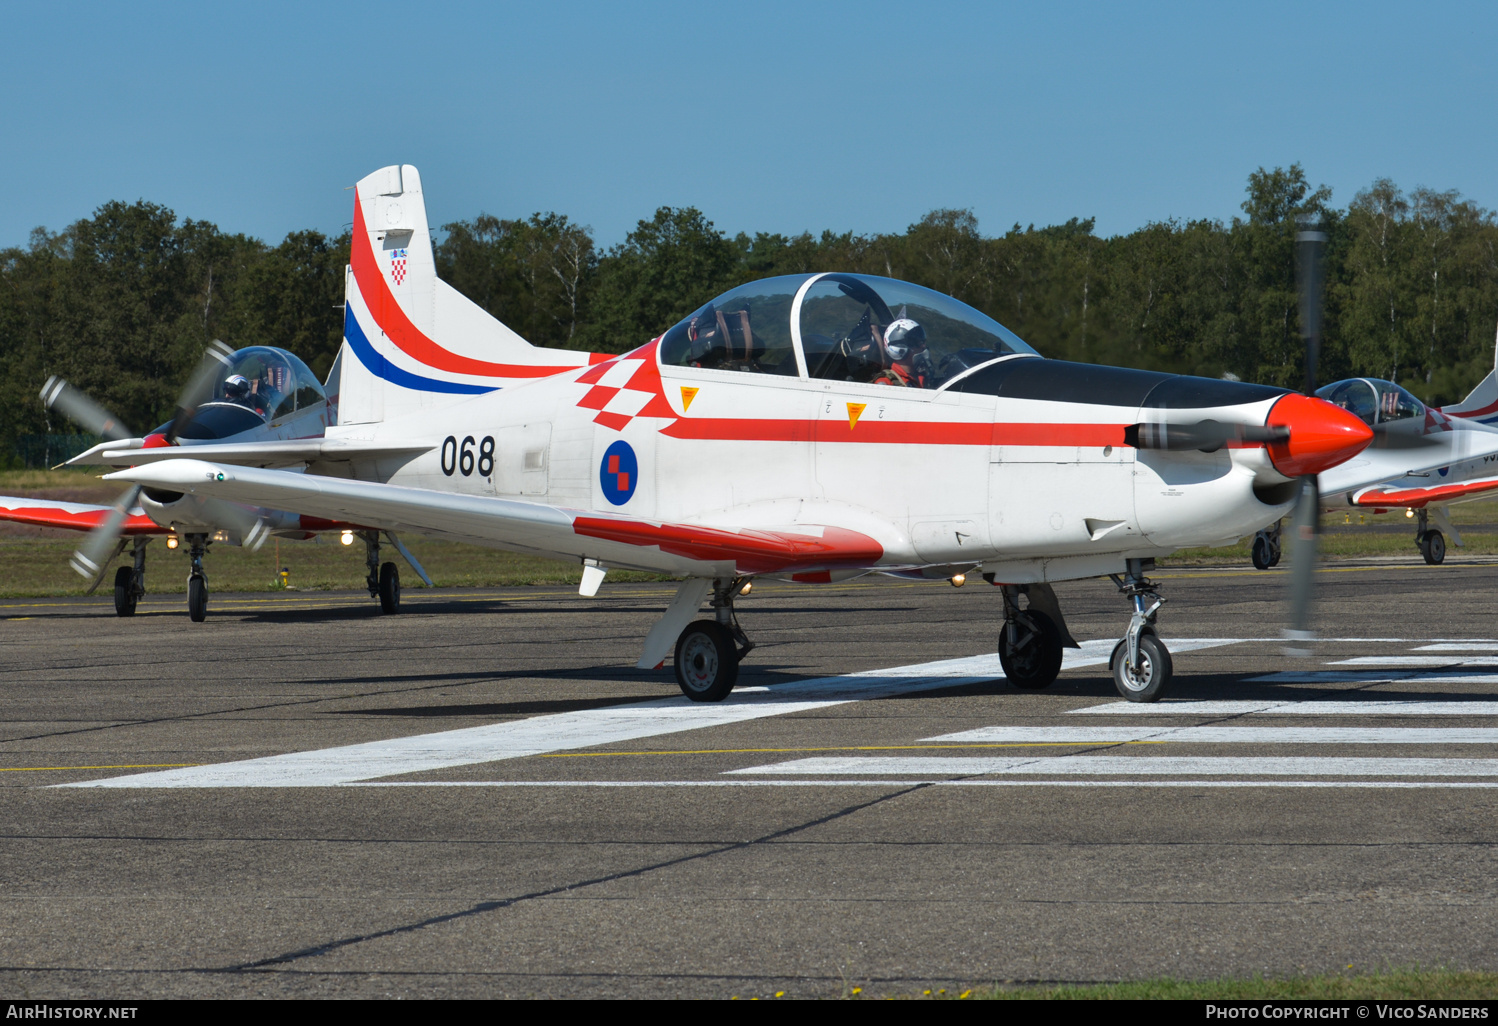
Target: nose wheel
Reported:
point(1141, 664)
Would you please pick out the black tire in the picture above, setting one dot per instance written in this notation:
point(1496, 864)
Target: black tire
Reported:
point(197, 599)
point(707, 662)
point(124, 591)
point(1155, 663)
point(1036, 664)
point(390, 588)
point(1263, 553)
point(1274, 557)
point(1433, 547)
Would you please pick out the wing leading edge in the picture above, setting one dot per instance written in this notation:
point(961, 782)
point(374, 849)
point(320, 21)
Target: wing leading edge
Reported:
point(72, 516)
point(613, 540)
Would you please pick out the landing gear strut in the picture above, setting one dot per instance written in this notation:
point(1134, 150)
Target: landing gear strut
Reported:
point(197, 580)
point(383, 580)
point(1266, 547)
point(1141, 663)
point(1030, 642)
point(130, 584)
point(708, 651)
point(1432, 543)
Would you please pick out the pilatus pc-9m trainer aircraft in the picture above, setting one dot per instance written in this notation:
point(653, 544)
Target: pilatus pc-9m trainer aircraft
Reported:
point(813, 427)
point(261, 395)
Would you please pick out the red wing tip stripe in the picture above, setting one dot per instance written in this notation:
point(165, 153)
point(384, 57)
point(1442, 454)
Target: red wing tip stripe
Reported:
point(1421, 496)
point(43, 516)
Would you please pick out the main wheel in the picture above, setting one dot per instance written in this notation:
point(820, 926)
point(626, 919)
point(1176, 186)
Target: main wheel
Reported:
point(1035, 661)
point(390, 588)
point(1433, 547)
point(1263, 554)
point(1147, 681)
point(197, 599)
point(124, 591)
point(707, 663)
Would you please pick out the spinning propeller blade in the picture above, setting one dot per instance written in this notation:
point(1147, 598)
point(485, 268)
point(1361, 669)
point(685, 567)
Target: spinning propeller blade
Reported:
point(1307, 518)
point(101, 544)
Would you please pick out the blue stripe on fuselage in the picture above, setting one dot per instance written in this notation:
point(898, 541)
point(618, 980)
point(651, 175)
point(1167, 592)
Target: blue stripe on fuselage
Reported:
point(383, 368)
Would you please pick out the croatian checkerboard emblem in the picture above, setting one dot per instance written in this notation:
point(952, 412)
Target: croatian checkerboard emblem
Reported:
point(398, 265)
point(619, 473)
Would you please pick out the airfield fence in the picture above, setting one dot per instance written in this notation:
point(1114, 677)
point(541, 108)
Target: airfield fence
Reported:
point(37, 452)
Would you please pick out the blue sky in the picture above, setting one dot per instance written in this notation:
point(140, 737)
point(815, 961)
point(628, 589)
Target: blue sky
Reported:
point(767, 116)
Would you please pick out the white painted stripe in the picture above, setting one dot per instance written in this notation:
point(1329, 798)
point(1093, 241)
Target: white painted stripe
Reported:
point(1083, 735)
point(967, 782)
point(1123, 765)
point(1281, 707)
point(1460, 646)
point(565, 731)
point(1473, 676)
point(1397, 660)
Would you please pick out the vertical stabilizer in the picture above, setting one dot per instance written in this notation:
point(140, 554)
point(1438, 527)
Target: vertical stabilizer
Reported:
point(1482, 404)
point(411, 341)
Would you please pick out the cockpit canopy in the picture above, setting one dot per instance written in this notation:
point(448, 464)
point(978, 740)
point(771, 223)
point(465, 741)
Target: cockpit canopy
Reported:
point(1373, 400)
point(841, 327)
point(261, 385)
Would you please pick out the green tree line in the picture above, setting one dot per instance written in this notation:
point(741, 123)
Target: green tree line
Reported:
point(121, 303)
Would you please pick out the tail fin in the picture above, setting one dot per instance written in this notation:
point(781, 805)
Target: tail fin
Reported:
point(1482, 404)
point(411, 341)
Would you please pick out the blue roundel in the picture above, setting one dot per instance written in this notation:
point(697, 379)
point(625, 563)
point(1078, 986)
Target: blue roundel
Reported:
point(619, 473)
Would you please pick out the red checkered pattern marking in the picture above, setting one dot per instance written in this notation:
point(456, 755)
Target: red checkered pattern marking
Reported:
point(640, 395)
point(398, 270)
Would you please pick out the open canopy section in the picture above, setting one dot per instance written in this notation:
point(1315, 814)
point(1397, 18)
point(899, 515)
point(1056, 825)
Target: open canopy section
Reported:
point(840, 327)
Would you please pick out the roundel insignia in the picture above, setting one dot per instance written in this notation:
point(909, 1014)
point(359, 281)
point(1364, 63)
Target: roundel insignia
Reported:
point(619, 473)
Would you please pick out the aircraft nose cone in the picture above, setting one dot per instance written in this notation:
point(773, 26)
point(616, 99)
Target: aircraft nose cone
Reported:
point(1321, 435)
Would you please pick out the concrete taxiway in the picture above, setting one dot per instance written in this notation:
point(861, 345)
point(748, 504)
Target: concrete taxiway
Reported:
point(479, 797)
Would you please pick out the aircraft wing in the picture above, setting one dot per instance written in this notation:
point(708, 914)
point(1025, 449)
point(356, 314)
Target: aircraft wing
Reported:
point(74, 516)
point(1392, 495)
point(611, 539)
point(279, 453)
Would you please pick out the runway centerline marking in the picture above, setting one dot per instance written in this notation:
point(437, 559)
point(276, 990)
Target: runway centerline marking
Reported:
point(1117, 765)
point(330, 767)
point(1232, 735)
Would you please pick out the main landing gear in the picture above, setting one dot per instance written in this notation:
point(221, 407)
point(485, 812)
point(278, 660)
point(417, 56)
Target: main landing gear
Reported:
point(1031, 640)
point(197, 579)
point(1432, 543)
point(1141, 663)
point(1266, 547)
point(708, 651)
point(130, 583)
point(383, 579)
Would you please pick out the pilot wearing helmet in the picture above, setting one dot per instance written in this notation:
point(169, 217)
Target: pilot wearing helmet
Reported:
point(237, 390)
point(907, 360)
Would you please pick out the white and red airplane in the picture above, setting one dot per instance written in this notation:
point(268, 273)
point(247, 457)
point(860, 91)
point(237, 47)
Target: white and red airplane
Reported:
point(1456, 460)
point(260, 394)
point(812, 427)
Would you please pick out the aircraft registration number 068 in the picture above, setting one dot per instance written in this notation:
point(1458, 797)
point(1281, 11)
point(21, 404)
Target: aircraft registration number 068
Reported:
point(458, 457)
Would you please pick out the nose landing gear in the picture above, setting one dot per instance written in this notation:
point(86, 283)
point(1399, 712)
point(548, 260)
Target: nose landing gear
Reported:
point(1141, 663)
point(708, 652)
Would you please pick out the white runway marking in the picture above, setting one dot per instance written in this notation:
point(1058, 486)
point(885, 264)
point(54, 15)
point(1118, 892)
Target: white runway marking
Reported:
point(1473, 676)
point(966, 782)
point(1459, 646)
point(565, 731)
point(1229, 735)
point(1119, 765)
point(1281, 707)
point(1396, 660)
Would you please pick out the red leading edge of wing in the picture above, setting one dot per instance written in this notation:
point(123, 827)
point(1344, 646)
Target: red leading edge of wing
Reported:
point(78, 519)
point(1414, 498)
point(408, 338)
point(750, 551)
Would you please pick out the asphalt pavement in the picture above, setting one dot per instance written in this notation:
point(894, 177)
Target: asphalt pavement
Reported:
point(480, 797)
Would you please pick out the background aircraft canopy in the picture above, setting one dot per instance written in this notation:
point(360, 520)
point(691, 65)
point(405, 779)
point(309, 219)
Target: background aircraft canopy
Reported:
point(1372, 399)
point(280, 384)
point(848, 327)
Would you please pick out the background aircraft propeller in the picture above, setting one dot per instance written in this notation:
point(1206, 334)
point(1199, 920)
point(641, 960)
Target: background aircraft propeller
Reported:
point(103, 543)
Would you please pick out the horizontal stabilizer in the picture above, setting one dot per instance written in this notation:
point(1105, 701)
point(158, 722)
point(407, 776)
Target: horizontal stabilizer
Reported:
point(266, 454)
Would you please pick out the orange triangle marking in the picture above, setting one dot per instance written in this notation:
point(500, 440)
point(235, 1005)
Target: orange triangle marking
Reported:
point(855, 410)
point(687, 395)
